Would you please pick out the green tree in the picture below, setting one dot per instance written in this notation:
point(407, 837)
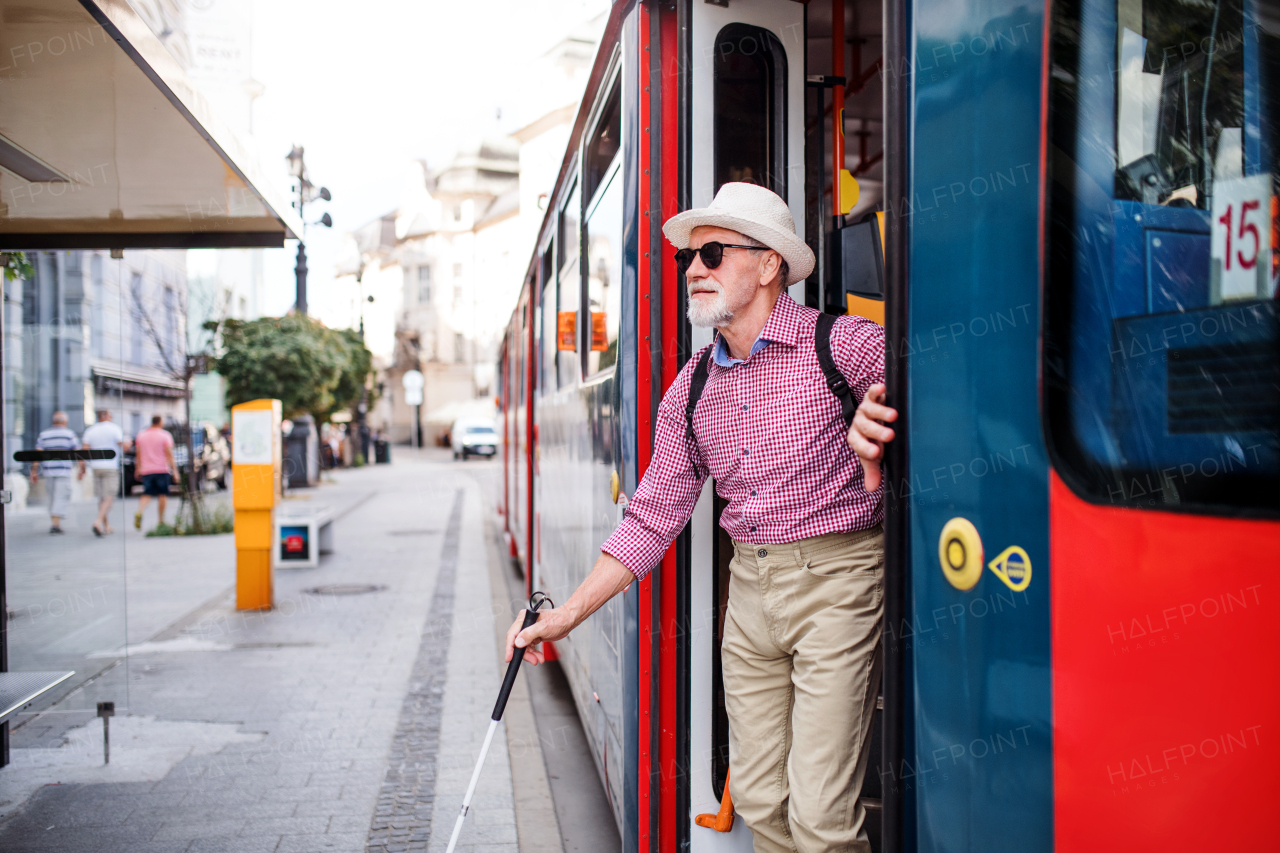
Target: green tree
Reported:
point(359, 365)
point(16, 265)
point(311, 369)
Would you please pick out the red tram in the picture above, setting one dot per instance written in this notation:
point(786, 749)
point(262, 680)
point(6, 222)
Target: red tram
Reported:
point(1087, 364)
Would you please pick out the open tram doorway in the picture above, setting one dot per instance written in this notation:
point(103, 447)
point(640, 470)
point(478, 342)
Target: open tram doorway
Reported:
point(767, 94)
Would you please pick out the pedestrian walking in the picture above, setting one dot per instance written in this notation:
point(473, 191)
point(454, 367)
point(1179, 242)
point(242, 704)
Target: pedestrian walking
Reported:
point(156, 468)
point(779, 388)
point(57, 472)
point(104, 435)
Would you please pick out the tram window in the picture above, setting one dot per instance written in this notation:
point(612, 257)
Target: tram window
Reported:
point(604, 144)
point(750, 97)
point(604, 275)
point(424, 284)
point(568, 292)
point(547, 360)
point(1162, 336)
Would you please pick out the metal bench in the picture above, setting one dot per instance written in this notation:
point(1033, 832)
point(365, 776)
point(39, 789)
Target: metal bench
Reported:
point(303, 533)
point(20, 689)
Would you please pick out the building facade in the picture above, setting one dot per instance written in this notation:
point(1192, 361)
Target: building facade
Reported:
point(431, 278)
point(434, 281)
point(88, 331)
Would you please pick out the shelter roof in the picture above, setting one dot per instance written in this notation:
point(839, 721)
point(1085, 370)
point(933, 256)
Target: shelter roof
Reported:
point(105, 142)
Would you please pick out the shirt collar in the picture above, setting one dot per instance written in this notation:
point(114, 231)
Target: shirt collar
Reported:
point(720, 355)
point(782, 327)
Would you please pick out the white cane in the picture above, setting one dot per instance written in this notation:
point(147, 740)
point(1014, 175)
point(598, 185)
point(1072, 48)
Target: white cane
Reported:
point(531, 615)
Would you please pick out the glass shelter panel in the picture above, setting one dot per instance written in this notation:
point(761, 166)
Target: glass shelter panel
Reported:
point(73, 361)
point(1162, 356)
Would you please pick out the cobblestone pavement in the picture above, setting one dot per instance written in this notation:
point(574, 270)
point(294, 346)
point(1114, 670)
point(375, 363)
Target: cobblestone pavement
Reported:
point(403, 818)
point(276, 731)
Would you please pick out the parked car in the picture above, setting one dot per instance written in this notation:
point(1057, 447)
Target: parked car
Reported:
point(473, 438)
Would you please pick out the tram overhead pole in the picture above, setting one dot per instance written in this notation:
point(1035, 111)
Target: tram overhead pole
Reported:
point(307, 193)
point(837, 104)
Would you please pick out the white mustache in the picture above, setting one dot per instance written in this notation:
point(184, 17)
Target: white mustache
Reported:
point(700, 287)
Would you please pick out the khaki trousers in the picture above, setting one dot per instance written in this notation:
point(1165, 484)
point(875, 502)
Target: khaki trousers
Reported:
point(801, 662)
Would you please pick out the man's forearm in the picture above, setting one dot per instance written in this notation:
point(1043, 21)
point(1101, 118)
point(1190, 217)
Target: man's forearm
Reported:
point(608, 578)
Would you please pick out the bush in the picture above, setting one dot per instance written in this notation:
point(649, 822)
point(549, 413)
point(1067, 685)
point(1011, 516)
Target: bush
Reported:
point(220, 521)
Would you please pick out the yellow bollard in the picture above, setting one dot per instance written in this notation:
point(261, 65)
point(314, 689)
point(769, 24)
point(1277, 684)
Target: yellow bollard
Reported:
point(255, 457)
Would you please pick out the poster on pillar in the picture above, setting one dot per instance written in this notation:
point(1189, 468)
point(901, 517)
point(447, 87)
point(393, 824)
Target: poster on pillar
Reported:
point(256, 460)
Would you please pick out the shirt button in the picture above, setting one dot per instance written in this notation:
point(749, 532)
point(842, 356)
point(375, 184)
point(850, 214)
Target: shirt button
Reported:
point(745, 452)
point(753, 493)
point(744, 408)
point(762, 552)
point(752, 528)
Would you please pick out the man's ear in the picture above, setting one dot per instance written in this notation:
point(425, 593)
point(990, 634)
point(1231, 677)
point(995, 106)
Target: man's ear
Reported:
point(770, 263)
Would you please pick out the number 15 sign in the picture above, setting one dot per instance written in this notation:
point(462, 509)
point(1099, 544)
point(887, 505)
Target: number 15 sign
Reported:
point(1241, 264)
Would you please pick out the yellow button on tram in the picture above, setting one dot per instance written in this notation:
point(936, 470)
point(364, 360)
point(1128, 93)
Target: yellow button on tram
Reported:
point(960, 552)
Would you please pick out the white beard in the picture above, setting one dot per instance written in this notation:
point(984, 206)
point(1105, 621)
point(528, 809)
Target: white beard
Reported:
point(716, 314)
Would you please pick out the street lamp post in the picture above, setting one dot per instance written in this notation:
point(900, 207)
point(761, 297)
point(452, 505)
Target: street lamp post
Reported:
point(362, 410)
point(300, 270)
point(307, 193)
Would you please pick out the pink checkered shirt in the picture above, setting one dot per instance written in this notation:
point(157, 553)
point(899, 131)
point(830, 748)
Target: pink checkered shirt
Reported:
point(772, 435)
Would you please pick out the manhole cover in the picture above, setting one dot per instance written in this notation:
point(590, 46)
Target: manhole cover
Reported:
point(345, 589)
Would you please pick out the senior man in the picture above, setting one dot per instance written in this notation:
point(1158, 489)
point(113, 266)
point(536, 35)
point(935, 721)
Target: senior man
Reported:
point(57, 472)
point(769, 417)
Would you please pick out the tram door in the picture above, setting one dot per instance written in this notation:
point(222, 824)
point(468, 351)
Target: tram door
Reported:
point(747, 125)
point(83, 332)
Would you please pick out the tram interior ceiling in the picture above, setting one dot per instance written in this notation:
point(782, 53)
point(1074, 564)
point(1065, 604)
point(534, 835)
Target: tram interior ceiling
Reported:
point(105, 143)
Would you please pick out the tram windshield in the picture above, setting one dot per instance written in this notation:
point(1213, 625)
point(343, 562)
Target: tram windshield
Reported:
point(1162, 343)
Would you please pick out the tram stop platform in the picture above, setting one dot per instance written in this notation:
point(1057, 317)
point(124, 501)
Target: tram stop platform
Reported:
point(346, 719)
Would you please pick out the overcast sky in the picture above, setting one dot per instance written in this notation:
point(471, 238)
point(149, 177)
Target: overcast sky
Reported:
point(368, 87)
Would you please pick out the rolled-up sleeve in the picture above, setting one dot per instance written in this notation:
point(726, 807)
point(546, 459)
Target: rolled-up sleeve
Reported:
point(858, 347)
point(664, 500)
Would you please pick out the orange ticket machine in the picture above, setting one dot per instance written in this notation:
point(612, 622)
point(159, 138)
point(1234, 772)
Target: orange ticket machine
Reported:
point(255, 455)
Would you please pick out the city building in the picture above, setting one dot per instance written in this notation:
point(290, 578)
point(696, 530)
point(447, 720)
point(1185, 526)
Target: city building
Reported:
point(88, 331)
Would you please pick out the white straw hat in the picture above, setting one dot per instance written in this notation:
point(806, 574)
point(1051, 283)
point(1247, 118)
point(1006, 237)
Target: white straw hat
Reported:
point(754, 211)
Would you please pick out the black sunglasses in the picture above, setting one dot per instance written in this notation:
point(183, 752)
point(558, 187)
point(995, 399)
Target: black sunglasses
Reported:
point(711, 253)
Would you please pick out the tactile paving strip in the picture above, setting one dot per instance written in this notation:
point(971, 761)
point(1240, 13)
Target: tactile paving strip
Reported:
point(402, 821)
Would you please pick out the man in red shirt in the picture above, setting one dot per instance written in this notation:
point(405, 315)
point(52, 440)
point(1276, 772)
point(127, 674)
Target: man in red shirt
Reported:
point(800, 652)
point(154, 466)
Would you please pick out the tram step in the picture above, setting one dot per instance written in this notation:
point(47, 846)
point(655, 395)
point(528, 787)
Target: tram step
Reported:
point(875, 812)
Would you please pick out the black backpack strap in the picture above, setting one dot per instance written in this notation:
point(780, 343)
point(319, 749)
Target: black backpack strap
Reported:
point(835, 379)
point(696, 384)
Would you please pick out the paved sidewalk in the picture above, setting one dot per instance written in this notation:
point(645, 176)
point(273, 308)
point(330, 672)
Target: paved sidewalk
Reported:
point(76, 601)
point(291, 730)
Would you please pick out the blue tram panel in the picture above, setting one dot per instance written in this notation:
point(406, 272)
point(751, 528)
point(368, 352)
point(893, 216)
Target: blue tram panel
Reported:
point(978, 774)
